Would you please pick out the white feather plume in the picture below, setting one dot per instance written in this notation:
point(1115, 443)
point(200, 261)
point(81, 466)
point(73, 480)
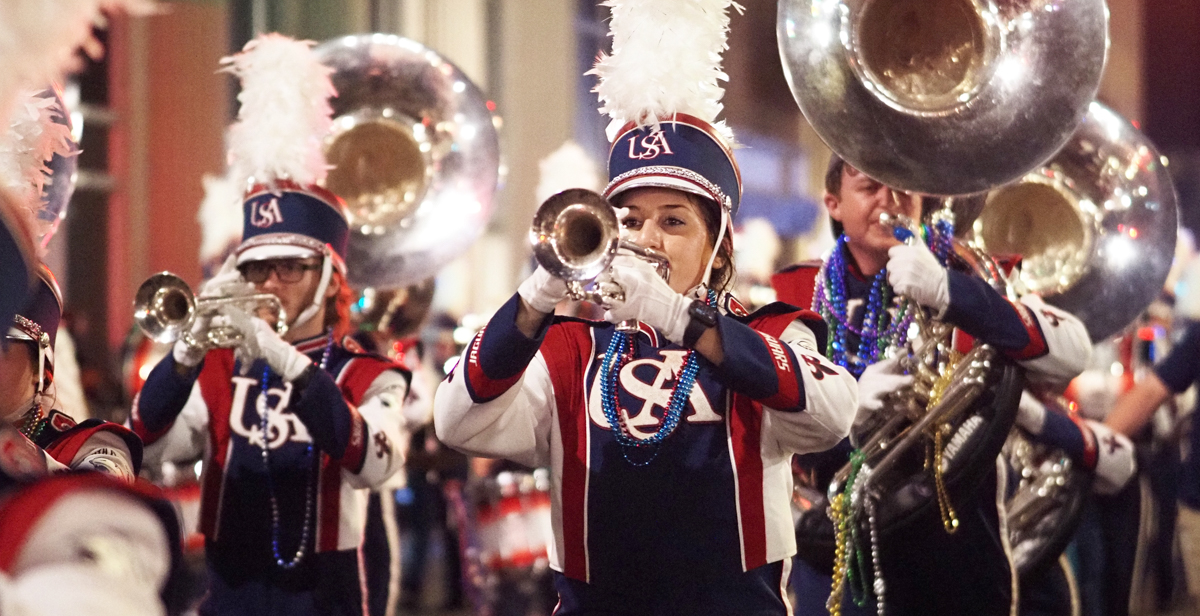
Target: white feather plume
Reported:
point(26, 148)
point(39, 39)
point(220, 215)
point(567, 167)
point(666, 59)
point(284, 114)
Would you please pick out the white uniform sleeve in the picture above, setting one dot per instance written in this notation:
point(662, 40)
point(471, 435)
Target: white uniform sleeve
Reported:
point(187, 437)
point(1115, 459)
point(831, 399)
point(1068, 347)
point(96, 553)
point(514, 426)
point(105, 452)
point(382, 413)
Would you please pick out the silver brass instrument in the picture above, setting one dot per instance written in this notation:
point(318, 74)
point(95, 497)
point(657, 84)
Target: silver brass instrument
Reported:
point(414, 153)
point(943, 97)
point(1096, 227)
point(165, 309)
point(940, 97)
point(575, 236)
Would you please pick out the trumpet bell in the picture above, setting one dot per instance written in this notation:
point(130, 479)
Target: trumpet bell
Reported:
point(163, 307)
point(575, 235)
point(416, 157)
point(1095, 226)
point(943, 97)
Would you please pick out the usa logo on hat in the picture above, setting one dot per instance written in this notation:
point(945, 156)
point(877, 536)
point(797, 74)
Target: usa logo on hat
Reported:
point(292, 221)
point(683, 153)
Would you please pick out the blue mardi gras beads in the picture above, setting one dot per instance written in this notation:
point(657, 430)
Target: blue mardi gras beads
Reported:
point(610, 367)
point(306, 528)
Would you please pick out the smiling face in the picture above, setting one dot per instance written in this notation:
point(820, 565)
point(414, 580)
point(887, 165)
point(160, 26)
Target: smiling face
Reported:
point(857, 205)
point(671, 222)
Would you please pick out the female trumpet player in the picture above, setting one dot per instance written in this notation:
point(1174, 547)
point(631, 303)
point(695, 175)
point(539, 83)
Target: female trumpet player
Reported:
point(669, 448)
point(925, 569)
point(293, 429)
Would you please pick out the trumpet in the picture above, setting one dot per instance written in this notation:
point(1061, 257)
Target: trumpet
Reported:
point(575, 236)
point(165, 309)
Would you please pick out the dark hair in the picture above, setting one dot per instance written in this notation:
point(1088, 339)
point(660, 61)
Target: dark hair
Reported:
point(722, 276)
point(833, 186)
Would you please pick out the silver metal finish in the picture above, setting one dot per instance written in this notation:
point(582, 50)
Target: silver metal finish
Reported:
point(415, 155)
point(943, 97)
point(1095, 226)
point(575, 236)
point(165, 309)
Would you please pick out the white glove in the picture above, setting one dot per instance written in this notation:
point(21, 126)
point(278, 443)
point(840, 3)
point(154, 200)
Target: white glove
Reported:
point(1031, 413)
point(227, 281)
point(281, 356)
point(877, 381)
point(239, 320)
point(648, 298)
point(915, 273)
point(542, 291)
point(190, 355)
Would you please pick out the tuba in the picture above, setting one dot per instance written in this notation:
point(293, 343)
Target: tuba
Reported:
point(943, 97)
point(1096, 227)
point(940, 97)
point(414, 153)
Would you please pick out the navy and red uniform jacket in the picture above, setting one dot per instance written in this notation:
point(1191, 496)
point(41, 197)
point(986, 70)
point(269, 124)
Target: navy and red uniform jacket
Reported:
point(971, 567)
point(350, 413)
point(715, 501)
point(70, 442)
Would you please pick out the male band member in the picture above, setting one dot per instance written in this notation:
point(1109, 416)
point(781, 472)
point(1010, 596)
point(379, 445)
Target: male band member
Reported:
point(293, 429)
point(970, 568)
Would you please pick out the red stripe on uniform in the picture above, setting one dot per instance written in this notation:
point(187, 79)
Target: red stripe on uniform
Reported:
point(356, 448)
point(218, 397)
point(357, 376)
point(1037, 342)
point(1091, 452)
point(745, 434)
point(787, 395)
point(482, 386)
point(572, 342)
point(329, 504)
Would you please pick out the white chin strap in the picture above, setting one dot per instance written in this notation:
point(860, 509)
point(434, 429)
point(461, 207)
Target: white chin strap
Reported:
point(319, 298)
point(704, 280)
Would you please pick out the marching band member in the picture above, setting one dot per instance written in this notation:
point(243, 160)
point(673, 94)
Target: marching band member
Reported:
point(971, 567)
point(27, 398)
point(293, 429)
point(669, 448)
point(1177, 372)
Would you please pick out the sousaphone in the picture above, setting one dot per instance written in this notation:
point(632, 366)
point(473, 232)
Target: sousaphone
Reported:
point(1096, 229)
point(939, 97)
point(414, 153)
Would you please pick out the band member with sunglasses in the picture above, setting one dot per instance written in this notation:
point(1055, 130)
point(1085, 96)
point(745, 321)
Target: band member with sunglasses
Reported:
point(969, 568)
point(293, 429)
